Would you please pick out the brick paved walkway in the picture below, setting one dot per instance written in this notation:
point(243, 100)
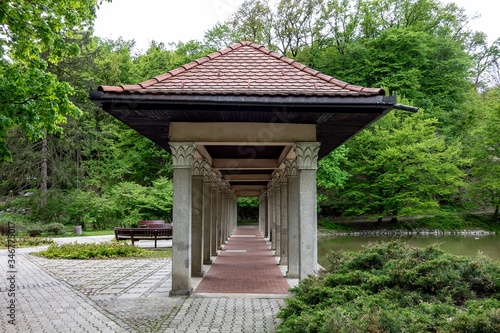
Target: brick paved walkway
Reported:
point(245, 265)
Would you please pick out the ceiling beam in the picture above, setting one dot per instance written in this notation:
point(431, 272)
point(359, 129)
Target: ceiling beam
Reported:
point(204, 153)
point(248, 193)
point(247, 177)
point(239, 164)
point(237, 188)
point(242, 132)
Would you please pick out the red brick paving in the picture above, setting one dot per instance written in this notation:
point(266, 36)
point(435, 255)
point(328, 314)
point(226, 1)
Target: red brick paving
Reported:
point(252, 272)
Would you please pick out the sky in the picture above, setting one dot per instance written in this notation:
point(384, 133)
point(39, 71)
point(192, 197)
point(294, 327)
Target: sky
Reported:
point(173, 20)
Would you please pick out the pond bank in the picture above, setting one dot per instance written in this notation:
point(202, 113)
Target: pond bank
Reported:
point(403, 232)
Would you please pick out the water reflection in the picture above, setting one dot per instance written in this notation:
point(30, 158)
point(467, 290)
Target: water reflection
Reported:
point(459, 245)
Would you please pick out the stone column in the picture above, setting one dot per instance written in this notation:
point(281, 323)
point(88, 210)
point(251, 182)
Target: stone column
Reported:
point(197, 218)
point(207, 218)
point(293, 219)
point(223, 226)
point(270, 214)
point(307, 163)
point(265, 214)
point(284, 217)
point(182, 163)
point(220, 216)
point(262, 209)
point(277, 217)
point(234, 214)
point(214, 215)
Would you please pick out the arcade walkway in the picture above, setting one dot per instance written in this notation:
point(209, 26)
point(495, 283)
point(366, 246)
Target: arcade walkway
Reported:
point(245, 265)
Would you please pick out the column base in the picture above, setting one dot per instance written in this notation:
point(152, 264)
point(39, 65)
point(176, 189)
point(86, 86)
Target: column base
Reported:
point(209, 262)
point(198, 274)
point(179, 293)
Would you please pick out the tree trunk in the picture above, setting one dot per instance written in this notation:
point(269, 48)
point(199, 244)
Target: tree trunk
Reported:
point(43, 184)
point(495, 214)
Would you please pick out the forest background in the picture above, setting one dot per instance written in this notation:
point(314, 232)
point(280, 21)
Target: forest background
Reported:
point(64, 160)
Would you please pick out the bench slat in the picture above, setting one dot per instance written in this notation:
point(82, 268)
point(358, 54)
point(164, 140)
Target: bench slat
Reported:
point(136, 234)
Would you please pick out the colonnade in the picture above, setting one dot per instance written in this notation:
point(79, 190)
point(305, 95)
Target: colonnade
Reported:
point(287, 212)
point(205, 213)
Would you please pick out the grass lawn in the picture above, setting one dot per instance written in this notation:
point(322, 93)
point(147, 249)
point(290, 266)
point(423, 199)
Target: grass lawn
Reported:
point(98, 232)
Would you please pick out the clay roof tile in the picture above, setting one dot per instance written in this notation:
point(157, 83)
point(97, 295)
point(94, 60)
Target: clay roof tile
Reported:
point(245, 68)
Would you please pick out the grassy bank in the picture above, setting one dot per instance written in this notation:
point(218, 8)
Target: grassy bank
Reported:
point(442, 222)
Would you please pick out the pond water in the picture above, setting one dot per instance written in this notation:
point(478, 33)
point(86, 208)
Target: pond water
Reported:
point(459, 245)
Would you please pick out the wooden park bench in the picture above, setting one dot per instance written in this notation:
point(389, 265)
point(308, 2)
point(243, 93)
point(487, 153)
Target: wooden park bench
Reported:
point(153, 224)
point(136, 234)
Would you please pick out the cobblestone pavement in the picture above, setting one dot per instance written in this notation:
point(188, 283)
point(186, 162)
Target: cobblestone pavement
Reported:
point(123, 295)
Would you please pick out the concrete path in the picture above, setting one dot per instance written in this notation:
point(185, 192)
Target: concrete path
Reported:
point(122, 295)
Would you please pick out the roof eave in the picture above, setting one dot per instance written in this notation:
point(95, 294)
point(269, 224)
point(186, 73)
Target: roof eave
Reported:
point(100, 98)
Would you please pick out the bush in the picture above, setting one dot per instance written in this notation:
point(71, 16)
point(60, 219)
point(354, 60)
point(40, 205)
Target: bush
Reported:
point(393, 287)
point(4, 228)
point(330, 225)
point(92, 250)
point(26, 241)
point(33, 230)
point(55, 229)
point(442, 221)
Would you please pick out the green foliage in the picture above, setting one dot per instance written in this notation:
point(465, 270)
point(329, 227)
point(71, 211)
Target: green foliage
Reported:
point(26, 241)
point(92, 251)
point(33, 230)
point(34, 36)
point(442, 221)
point(400, 166)
point(54, 229)
point(484, 188)
point(329, 225)
point(4, 227)
point(248, 208)
point(393, 287)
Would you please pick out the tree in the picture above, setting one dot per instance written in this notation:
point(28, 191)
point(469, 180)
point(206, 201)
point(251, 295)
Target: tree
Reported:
point(330, 176)
point(400, 166)
point(33, 36)
point(485, 185)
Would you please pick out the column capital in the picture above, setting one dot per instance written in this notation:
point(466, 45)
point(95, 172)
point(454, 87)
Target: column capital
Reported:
point(282, 176)
point(182, 154)
point(199, 167)
point(263, 195)
point(307, 155)
point(291, 168)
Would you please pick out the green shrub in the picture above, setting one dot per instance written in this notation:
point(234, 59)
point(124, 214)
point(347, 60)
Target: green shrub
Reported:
point(442, 221)
point(392, 287)
point(4, 228)
point(34, 230)
point(329, 225)
point(92, 250)
point(55, 229)
point(26, 241)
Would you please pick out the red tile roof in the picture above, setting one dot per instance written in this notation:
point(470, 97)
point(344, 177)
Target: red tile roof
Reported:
point(244, 69)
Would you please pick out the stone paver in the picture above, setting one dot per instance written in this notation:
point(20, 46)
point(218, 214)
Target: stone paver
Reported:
point(123, 295)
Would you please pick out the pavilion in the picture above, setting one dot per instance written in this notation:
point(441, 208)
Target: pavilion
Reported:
point(244, 122)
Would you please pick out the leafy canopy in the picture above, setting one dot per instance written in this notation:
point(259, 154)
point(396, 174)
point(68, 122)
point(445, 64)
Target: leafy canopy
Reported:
point(33, 35)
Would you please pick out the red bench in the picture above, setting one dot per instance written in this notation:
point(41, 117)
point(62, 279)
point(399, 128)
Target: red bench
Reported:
point(136, 234)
